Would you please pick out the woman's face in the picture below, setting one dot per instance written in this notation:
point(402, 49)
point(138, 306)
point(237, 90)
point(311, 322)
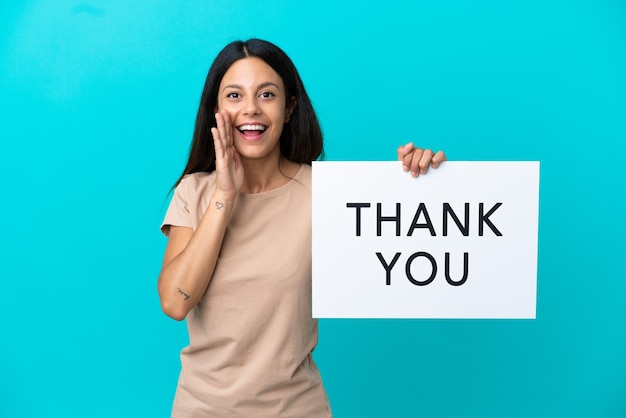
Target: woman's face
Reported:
point(254, 96)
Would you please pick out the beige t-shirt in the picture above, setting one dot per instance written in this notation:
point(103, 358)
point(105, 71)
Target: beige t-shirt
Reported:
point(252, 334)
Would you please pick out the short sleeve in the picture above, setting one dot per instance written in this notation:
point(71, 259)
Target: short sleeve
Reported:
point(178, 213)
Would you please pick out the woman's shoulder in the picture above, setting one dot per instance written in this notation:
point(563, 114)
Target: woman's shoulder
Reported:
point(198, 178)
point(304, 173)
point(303, 177)
point(197, 183)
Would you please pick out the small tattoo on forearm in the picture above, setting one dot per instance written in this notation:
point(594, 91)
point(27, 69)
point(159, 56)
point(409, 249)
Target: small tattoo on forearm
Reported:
point(183, 293)
point(219, 205)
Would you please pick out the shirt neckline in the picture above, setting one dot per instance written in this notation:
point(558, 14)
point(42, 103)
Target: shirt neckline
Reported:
point(273, 192)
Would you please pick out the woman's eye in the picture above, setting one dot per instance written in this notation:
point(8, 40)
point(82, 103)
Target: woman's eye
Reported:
point(267, 94)
point(233, 95)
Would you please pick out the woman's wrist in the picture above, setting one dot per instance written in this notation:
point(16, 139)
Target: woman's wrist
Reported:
point(222, 201)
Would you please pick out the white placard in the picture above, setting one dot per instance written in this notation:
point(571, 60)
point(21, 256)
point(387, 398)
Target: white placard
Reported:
point(463, 237)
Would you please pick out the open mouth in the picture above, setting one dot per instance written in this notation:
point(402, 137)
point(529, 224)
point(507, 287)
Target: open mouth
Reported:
point(252, 129)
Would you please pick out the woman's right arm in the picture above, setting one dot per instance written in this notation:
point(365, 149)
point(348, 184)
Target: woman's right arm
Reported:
point(191, 256)
point(190, 259)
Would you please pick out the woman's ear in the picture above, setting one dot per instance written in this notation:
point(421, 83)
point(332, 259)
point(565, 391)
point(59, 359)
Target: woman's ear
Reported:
point(291, 106)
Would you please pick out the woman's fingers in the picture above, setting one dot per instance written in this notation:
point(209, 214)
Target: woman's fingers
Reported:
point(225, 128)
point(412, 161)
point(438, 158)
point(227, 159)
point(417, 160)
point(404, 150)
point(222, 135)
point(217, 141)
point(424, 161)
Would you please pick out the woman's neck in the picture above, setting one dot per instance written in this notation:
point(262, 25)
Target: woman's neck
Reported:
point(262, 176)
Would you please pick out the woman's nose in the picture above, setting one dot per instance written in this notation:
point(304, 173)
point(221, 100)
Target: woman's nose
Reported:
point(251, 107)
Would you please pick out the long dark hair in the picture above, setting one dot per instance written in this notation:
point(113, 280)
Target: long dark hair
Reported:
point(301, 139)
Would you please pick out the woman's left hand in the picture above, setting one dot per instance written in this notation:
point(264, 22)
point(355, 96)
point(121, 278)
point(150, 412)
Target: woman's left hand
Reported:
point(417, 160)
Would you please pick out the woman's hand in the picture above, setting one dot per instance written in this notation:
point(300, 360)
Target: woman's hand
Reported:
point(417, 160)
point(228, 166)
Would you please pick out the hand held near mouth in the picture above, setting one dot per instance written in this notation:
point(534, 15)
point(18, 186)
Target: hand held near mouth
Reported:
point(228, 167)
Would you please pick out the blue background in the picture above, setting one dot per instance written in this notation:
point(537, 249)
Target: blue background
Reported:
point(97, 104)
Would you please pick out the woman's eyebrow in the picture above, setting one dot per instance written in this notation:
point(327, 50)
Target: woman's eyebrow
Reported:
point(268, 84)
point(232, 86)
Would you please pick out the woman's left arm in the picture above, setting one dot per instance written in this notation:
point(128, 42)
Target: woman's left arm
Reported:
point(417, 160)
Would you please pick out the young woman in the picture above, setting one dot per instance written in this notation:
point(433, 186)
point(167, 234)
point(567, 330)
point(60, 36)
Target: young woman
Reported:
point(237, 264)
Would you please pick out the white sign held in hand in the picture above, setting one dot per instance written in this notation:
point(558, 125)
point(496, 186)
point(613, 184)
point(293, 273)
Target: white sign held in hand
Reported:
point(458, 242)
